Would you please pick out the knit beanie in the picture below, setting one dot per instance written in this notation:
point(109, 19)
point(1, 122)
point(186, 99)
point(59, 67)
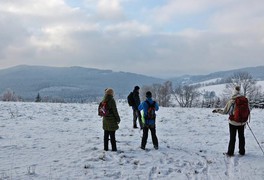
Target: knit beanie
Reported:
point(148, 94)
point(236, 90)
point(109, 91)
point(136, 88)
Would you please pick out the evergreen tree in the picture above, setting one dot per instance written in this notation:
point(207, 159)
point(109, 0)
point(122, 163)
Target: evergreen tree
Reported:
point(38, 98)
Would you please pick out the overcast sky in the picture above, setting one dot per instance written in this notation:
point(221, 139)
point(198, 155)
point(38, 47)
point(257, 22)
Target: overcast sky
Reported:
point(161, 38)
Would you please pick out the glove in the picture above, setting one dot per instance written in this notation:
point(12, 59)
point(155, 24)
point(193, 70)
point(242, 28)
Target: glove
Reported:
point(214, 111)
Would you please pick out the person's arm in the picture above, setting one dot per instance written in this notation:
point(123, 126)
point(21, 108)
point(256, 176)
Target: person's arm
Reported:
point(140, 107)
point(115, 112)
point(136, 98)
point(156, 106)
point(226, 109)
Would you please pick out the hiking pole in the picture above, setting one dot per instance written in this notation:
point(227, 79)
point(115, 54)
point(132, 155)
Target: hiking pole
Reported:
point(255, 138)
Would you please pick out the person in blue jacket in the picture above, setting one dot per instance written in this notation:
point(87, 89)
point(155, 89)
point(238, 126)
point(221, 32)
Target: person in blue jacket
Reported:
point(149, 117)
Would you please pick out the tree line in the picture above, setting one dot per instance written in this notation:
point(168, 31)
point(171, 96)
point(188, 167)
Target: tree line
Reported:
point(183, 95)
point(188, 95)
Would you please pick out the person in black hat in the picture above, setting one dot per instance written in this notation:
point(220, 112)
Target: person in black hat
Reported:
point(149, 120)
point(136, 112)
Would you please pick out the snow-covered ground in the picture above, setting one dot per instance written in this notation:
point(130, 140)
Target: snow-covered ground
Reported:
point(218, 89)
point(65, 141)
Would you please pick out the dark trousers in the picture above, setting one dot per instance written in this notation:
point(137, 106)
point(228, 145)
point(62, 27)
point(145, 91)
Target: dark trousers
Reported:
point(153, 135)
point(231, 147)
point(112, 139)
point(137, 115)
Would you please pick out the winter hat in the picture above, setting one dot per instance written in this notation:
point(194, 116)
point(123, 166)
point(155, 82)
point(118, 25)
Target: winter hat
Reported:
point(109, 91)
point(148, 94)
point(136, 88)
point(236, 90)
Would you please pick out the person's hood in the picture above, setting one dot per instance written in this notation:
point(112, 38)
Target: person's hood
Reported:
point(150, 100)
point(236, 94)
point(107, 97)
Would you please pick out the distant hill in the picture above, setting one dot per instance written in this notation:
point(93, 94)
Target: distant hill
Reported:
point(69, 83)
point(256, 72)
point(75, 84)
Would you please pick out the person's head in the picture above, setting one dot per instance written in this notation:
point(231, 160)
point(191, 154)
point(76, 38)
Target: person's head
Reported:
point(109, 91)
point(237, 88)
point(136, 88)
point(148, 94)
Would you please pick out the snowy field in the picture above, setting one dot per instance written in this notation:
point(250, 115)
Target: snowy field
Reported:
point(65, 141)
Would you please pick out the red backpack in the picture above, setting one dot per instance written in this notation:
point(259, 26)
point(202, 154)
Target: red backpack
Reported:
point(103, 109)
point(241, 111)
point(151, 115)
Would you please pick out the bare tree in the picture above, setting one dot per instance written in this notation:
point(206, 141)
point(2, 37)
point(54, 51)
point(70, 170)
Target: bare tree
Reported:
point(185, 95)
point(244, 80)
point(143, 91)
point(9, 95)
point(257, 96)
point(155, 90)
point(160, 93)
point(165, 92)
point(209, 98)
point(249, 88)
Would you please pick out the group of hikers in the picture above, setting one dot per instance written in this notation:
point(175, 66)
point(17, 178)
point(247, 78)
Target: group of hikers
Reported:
point(237, 108)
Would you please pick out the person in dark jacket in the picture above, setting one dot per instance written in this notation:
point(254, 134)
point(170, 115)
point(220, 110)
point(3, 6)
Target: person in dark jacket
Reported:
point(111, 121)
point(234, 126)
point(149, 124)
point(136, 112)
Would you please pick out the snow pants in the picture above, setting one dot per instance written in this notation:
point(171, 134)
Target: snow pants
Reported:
point(137, 115)
point(232, 141)
point(153, 135)
point(112, 139)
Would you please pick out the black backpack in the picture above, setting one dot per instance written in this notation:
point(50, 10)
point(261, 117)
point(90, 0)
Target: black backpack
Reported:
point(151, 115)
point(130, 99)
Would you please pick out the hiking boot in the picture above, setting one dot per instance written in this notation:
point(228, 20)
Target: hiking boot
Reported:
point(156, 147)
point(228, 154)
point(242, 153)
point(135, 127)
point(143, 148)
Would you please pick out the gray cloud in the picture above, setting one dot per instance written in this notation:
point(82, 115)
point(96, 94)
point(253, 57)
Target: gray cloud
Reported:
point(102, 34)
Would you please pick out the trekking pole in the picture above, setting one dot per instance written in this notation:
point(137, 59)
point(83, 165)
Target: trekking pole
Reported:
point(255, 138)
